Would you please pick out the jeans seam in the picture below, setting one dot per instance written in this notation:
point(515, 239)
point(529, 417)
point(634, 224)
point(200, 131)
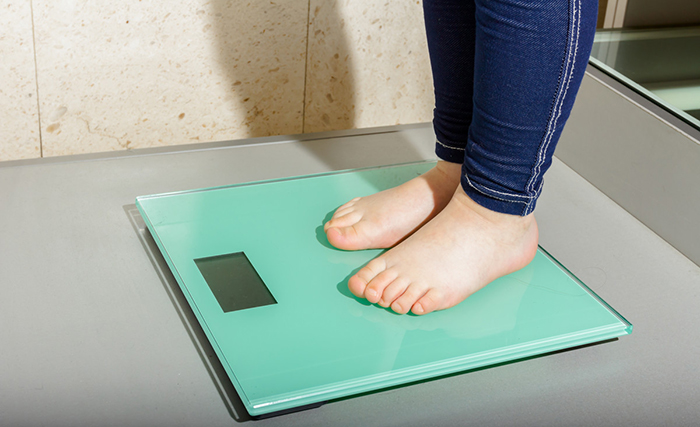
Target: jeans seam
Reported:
point(485, 191)
point(447, 146)
point(561, 96)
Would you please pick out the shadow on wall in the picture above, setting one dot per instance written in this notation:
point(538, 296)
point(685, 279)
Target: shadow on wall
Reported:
point(330, 82)
point(281, 82)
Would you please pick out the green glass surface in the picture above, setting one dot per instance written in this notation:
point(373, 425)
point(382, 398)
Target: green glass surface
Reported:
point(319, 342)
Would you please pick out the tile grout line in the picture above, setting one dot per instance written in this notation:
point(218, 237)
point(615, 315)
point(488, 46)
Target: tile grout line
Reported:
point(306, 67)
point(36, 80)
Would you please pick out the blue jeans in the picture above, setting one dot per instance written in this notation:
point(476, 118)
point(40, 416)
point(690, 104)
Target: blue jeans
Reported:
point(506, 73)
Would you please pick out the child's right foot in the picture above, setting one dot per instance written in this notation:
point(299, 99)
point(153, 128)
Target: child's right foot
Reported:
point(386, 218)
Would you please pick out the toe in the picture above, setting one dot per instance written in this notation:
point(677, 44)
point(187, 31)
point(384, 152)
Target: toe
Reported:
point(404, 303)
point(348, 204)
point(375, 288)
point(343, 238)
point(357, 285)
point(343, 212)
point(351, 218)
point(431, 301)
point(393, 291)
point(358, 282)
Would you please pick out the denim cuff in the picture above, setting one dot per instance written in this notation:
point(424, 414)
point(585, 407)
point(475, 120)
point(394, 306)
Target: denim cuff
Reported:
point(497, 203)
point(448, 153)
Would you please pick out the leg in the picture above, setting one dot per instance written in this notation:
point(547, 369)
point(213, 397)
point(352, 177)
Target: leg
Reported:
point(529, 62)
point(450, 27)
point(386, 218)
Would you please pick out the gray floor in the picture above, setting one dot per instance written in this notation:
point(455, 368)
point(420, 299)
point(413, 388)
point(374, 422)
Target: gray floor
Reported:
point(93, 332)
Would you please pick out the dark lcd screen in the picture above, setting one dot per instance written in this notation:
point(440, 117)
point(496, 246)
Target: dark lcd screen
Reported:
point(234, 282)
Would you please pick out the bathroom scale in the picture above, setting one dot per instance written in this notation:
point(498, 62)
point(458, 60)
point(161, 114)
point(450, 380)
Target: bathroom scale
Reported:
point(271, 295)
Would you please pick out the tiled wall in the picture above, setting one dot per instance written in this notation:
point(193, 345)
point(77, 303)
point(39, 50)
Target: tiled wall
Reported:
point(82, 76)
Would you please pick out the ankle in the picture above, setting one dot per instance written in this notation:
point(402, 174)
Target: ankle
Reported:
point(450, 171)
point(493, 217)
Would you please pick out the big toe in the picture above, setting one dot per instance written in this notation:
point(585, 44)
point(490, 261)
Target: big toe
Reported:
point(341, 237)
point(352, 237)
point(343, 220)
point(431, 301)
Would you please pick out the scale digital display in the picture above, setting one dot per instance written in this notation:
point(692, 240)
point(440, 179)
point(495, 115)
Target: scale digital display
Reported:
point(234, 282)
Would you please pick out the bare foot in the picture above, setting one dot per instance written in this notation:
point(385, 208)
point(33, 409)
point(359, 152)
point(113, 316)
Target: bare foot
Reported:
point(384, 219)
point(465, 247)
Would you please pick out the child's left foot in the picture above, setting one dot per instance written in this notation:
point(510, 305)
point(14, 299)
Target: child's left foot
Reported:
point(461, 250)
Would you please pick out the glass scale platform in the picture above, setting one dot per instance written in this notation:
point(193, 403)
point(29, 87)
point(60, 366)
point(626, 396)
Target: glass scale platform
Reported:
point(271, 295)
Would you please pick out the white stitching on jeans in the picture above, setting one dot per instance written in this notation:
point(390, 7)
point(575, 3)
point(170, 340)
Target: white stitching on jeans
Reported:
point(562, 95)
point(552, 126)
point(447, 146)
point(485, 189)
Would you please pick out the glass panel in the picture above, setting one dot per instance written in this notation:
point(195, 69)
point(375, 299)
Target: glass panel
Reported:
point(319, 342)
point(663, 64)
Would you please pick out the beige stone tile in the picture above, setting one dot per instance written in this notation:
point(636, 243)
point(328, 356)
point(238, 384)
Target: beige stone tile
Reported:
point(368, 65)
point(118, 75)
point(19, 116)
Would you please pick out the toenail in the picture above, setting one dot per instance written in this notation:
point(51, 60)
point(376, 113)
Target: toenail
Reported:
point(371, 293)
point(396, 307)
point(418, 308)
